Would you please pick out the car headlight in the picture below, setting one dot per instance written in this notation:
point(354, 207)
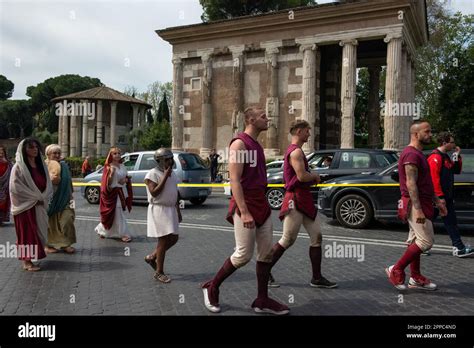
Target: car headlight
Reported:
point(325, 188)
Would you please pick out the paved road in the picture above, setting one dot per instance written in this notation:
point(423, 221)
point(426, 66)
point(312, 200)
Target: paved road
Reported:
point(109, 277)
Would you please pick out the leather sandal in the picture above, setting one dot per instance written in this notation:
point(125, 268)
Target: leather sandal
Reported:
point(162, 277)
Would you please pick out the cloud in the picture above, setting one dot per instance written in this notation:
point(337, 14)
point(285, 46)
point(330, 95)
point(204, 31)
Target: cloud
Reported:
point(114, 41)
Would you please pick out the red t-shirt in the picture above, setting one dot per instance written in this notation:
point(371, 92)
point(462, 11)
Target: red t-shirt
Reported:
point(411, 155)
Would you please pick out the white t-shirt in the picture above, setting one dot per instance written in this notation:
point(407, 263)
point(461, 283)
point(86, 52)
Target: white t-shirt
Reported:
point(169, 194)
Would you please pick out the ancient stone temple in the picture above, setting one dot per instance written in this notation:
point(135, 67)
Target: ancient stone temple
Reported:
point(92, 121)
point(298, 63)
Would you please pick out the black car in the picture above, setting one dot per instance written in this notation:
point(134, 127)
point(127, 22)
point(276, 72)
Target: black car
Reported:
point(342, 162)
point(356, 206)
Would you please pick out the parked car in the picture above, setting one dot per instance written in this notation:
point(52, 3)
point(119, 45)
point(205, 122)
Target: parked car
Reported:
point(189, 168)
point(356, 207)
point(274, 166)
point(342, 162)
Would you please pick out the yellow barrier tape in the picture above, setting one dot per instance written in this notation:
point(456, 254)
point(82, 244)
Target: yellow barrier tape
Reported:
point(78, 184)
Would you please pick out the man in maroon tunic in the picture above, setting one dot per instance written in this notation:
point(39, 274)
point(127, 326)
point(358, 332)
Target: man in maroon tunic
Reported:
point(298, 207)
point(250, 214)
point(416, 208)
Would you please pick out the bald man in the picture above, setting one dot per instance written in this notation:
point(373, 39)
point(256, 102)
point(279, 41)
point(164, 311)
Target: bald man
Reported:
point(416, 208)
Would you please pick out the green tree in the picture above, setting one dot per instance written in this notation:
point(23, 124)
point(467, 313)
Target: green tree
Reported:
point(154, 93)
point(149, 117)
point(45, 137)
point(17, 117)
point(6, 88)
point(158, 135)
point(225, 9)
point(449, 35)
point(455, 104)
point(362, 101)
point(163, 110)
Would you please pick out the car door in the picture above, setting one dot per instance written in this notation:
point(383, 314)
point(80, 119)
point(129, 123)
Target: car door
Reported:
point(386, 197)
point(146, 162)
point(464, 190)
point(316, 164)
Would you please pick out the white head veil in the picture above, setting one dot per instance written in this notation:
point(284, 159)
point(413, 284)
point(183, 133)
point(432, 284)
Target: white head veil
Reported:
point(25, 194)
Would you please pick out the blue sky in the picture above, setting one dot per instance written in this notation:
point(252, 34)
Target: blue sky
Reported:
point(112, 40)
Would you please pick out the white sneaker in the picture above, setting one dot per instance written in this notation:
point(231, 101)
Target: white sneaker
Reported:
point(207, 303)
point(422, 283)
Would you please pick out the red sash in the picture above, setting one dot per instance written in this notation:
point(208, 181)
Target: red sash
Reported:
point(300, 199)
point(404, 209)
point(257, 205)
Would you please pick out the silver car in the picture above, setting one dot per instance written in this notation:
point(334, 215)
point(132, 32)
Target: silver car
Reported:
point(188, 167)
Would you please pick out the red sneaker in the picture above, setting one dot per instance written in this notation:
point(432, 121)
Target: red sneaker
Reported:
point(267, 305)
point(396, 277)
point(211, 297)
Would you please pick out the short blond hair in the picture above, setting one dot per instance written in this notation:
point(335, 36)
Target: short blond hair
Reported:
point(52, 148)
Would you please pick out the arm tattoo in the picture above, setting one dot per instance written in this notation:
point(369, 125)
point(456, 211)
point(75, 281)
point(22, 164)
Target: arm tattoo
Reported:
point(412, 176)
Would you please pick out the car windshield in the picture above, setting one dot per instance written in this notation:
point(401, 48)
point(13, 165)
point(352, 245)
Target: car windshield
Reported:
point(385, 159)
point(190, 161)
point(389, 169)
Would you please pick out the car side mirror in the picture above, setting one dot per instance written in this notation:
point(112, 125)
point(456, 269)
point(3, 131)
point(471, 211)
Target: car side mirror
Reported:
point(395, 176)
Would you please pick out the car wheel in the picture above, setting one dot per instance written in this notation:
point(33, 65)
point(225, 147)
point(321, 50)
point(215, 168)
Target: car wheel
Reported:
point(198, 201)
point(93, 194)
point(354, 211)
point(275, 197)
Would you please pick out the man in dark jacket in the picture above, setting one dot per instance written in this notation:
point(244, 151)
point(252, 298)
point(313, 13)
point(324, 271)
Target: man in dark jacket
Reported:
point(443, 168)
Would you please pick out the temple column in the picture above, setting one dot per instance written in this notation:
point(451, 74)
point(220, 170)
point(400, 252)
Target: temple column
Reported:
point(65, 136)
point(99, 128)
point(60, 126)
point(238, 88)
point(135, 116)
point(113, 123)
point(392, 139)
point(348, 92)
point(272, 103)
point(73, 132)
point(142, 118)
point(85, 133)
point(309, 91)
point(177, 115)
point(207, 122)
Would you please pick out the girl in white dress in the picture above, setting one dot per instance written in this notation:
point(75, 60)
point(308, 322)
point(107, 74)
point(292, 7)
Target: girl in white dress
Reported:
point(114, 198)
point(164, 214)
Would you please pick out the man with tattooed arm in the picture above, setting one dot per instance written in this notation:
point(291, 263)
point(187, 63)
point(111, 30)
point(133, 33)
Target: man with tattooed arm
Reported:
point(416, 207)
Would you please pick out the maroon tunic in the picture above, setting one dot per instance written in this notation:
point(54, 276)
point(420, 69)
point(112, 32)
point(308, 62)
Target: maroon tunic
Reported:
point(297, 193)
point(254, 183)
point(411, 155)
point(25, 224)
